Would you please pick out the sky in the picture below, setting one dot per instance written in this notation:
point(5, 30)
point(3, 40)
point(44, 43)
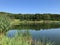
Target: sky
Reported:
point(30, 6)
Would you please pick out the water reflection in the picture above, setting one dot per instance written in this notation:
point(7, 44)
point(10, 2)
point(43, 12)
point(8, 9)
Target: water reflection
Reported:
point(36, 26)
point(44, 32)
point(11, 33)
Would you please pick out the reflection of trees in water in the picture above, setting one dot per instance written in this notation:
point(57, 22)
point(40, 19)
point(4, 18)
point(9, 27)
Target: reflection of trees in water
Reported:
point(24, 33)
point(36, 26)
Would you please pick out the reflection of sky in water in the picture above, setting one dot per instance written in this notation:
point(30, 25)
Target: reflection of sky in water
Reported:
point(49, 34)
point(11, 33)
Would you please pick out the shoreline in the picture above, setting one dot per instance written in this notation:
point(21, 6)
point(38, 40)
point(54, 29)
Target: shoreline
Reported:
point(17, 22)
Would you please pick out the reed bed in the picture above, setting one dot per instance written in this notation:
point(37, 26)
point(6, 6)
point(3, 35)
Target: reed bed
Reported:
point(22, 40)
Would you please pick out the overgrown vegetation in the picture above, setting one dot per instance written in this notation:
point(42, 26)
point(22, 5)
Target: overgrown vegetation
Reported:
point(5, 23)
point(22, 39)
point(33, 17)
point(36, 17)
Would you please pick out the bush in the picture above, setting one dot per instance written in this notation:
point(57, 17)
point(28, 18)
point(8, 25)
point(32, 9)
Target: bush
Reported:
point(5, 23)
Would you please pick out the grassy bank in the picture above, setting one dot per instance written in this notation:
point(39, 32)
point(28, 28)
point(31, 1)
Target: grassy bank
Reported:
point(17, 22)
point(22, 39)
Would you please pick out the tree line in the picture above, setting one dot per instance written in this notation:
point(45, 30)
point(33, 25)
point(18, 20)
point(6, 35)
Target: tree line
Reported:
point(33, 17)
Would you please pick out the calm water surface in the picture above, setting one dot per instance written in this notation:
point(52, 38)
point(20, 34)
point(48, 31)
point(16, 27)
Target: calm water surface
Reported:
point(41, 33)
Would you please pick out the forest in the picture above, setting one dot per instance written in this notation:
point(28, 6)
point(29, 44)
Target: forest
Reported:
point(33, 17)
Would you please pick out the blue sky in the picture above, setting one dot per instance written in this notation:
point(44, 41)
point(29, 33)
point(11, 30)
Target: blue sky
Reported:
point(30, 6)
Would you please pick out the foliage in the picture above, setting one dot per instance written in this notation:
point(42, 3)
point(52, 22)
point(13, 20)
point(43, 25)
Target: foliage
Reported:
point(36, 17)
point(22, 40)
point(4, 23)
point(33, 17)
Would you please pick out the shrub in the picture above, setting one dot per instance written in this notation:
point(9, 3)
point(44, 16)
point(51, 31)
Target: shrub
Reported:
point(5, 23)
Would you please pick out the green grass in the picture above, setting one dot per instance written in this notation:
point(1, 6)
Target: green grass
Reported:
point(17, 22)
point(21, 40)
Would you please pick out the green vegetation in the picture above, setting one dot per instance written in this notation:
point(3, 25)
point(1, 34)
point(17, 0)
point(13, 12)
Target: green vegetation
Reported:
point(8, 19)
point(36, 17)
point(22, 39)
point(33, 17)
point(5, 23)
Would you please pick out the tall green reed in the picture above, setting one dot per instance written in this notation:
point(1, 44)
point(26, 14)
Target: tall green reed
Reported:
point(22, 39)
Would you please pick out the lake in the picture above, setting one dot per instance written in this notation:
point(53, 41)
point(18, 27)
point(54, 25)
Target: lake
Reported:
point(45, 32)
